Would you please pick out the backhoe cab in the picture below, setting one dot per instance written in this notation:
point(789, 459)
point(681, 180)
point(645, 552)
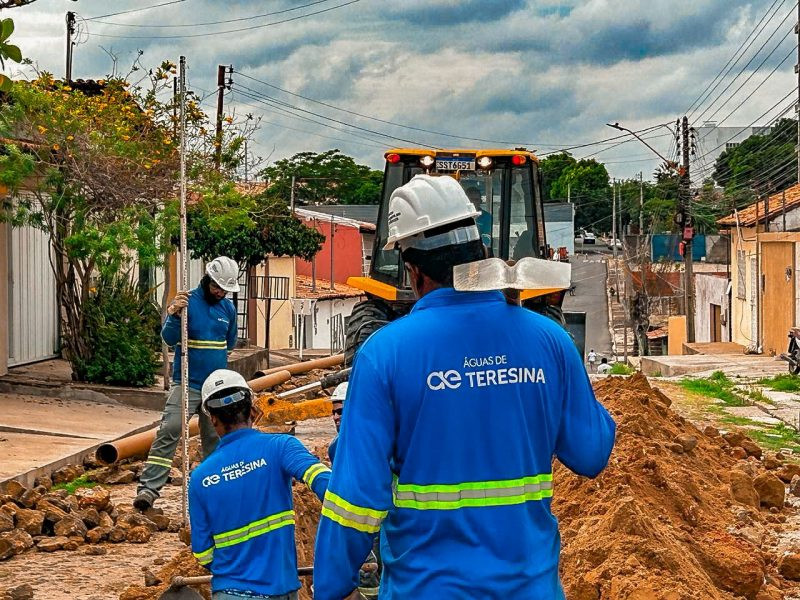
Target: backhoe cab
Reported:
point(505, 185)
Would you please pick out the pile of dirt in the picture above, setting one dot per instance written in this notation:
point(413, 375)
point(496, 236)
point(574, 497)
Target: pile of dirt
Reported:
point(661, 522)
point(307, 510)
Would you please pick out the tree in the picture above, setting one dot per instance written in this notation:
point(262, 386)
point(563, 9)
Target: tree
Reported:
point(226, 221)
point(91, 168)
point(763, 161)
point(324, 178)
point(551, 169)
point(588, 184)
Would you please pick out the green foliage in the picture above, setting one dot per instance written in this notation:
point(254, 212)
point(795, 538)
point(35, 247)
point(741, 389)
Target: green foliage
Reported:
point(84, 481)
point(785, 382)
point(324, 178)
point(122, 326)
point(7, 51)
point(716, 386)
point(738, 168)
point(588, 185)
point(619, 368)
point(551, 169)
point(246, 228)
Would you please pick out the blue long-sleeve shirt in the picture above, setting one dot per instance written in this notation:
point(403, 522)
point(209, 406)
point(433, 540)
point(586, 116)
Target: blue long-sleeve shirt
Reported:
point(212, 334)
point(241, 510)
point(452, 419)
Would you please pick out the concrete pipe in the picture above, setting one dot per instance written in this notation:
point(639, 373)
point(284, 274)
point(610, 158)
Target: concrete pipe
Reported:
point(139, 444)
point(270, 380)
point(308, 365)
point(135, 445)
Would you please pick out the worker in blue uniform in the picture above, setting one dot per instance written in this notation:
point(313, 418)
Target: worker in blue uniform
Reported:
point(454, 414)
point(240, 498)
point(212, 334)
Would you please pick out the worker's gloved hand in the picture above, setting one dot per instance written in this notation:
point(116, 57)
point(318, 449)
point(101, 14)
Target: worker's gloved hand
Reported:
point(179, 302)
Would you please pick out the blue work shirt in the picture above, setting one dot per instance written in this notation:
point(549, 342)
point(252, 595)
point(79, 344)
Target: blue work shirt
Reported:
point(241, 510)
point(212, 334)
point(452, 419)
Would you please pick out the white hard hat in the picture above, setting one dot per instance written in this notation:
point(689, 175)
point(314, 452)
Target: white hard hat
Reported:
point(227, 381)
point(340, 393)
point(225, 273)
point(425, 203)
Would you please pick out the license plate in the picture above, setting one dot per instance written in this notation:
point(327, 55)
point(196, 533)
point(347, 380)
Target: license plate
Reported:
point(454, 163)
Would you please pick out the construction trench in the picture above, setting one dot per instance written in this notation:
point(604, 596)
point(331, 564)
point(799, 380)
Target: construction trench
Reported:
point(678, 514)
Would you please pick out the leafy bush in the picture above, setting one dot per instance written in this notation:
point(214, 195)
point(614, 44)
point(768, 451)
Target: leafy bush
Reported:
point(122, 329)
point(619, 368)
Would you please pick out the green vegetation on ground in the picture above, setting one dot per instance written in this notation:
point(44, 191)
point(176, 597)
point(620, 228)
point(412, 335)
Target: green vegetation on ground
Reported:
point(84, 481)
point(716, 386)
point(619, 368)
point(786, 382)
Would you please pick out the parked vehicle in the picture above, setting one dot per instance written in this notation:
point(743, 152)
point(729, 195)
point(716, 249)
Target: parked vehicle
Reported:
point(615, 243)
point(589, 238)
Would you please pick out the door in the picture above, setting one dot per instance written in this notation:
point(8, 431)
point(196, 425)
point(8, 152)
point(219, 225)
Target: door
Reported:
point(777, 294)
point(716, 323)
point(32, 307)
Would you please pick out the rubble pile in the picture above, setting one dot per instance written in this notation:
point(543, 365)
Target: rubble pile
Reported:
point(50, 520)
point(678, 513)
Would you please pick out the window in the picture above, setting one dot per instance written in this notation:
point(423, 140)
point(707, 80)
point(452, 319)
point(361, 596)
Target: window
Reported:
point(741, 265)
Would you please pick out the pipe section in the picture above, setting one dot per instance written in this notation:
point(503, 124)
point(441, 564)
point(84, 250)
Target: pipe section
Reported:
point(308, 365)
point(134, 445)
point(270, 380)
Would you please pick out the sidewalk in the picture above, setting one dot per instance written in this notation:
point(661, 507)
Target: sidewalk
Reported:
point(616, 314)
point(40, 434)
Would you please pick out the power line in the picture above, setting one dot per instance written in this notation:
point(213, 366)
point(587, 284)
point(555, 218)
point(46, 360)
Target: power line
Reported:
point(742, 70)
point(133, 10)
point(730, 68)
point(160, 25)
point(285, 112)
point(394, 123)
point(764, 16)
point(225, 31)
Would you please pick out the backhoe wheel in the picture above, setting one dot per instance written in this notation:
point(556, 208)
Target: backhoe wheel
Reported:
point(366, 318)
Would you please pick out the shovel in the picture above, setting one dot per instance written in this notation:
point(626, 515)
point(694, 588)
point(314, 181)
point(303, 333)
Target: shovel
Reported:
point(179, 588)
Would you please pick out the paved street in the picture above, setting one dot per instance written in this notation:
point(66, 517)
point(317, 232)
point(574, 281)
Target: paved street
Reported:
point(589, 277)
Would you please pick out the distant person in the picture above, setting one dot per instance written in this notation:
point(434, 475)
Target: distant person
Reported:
point(604, 368)
point(484, 220)
point(591, 358)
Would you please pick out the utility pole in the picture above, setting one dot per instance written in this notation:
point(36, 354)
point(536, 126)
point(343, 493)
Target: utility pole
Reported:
point(797, 106)
point(70, 44)
point(688, 231)
point(641, 203)
point(291, 197)
point(222, 85)
point(569, 193)
point(614, 218)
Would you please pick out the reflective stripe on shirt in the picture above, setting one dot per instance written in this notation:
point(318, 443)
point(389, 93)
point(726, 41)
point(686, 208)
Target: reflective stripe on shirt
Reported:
point(208, 344)
point(254, 529)
point(204, 557)
point(341, 511)
point(311, 473)
point(474, 493)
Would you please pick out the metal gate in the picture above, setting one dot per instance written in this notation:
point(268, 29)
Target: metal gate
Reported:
point(32, 305)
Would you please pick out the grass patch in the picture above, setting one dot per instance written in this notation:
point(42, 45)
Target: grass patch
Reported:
point(777, 437)
point(717, 386)
point(81, 482)
point(619, 368)
point(758, 396)
point(785, 382)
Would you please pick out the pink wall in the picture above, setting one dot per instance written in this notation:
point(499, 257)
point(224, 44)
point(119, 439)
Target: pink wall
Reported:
point(347, 254)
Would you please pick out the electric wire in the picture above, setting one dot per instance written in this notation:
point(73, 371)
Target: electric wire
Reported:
point(225, 31)
point(133, 10)
point(742, 70)
point(707, 94)
point(205, 23)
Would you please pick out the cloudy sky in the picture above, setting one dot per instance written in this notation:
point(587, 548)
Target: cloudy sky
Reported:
point(544, 74)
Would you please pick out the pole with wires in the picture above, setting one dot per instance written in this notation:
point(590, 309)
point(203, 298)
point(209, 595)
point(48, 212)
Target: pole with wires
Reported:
point(185, 315)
